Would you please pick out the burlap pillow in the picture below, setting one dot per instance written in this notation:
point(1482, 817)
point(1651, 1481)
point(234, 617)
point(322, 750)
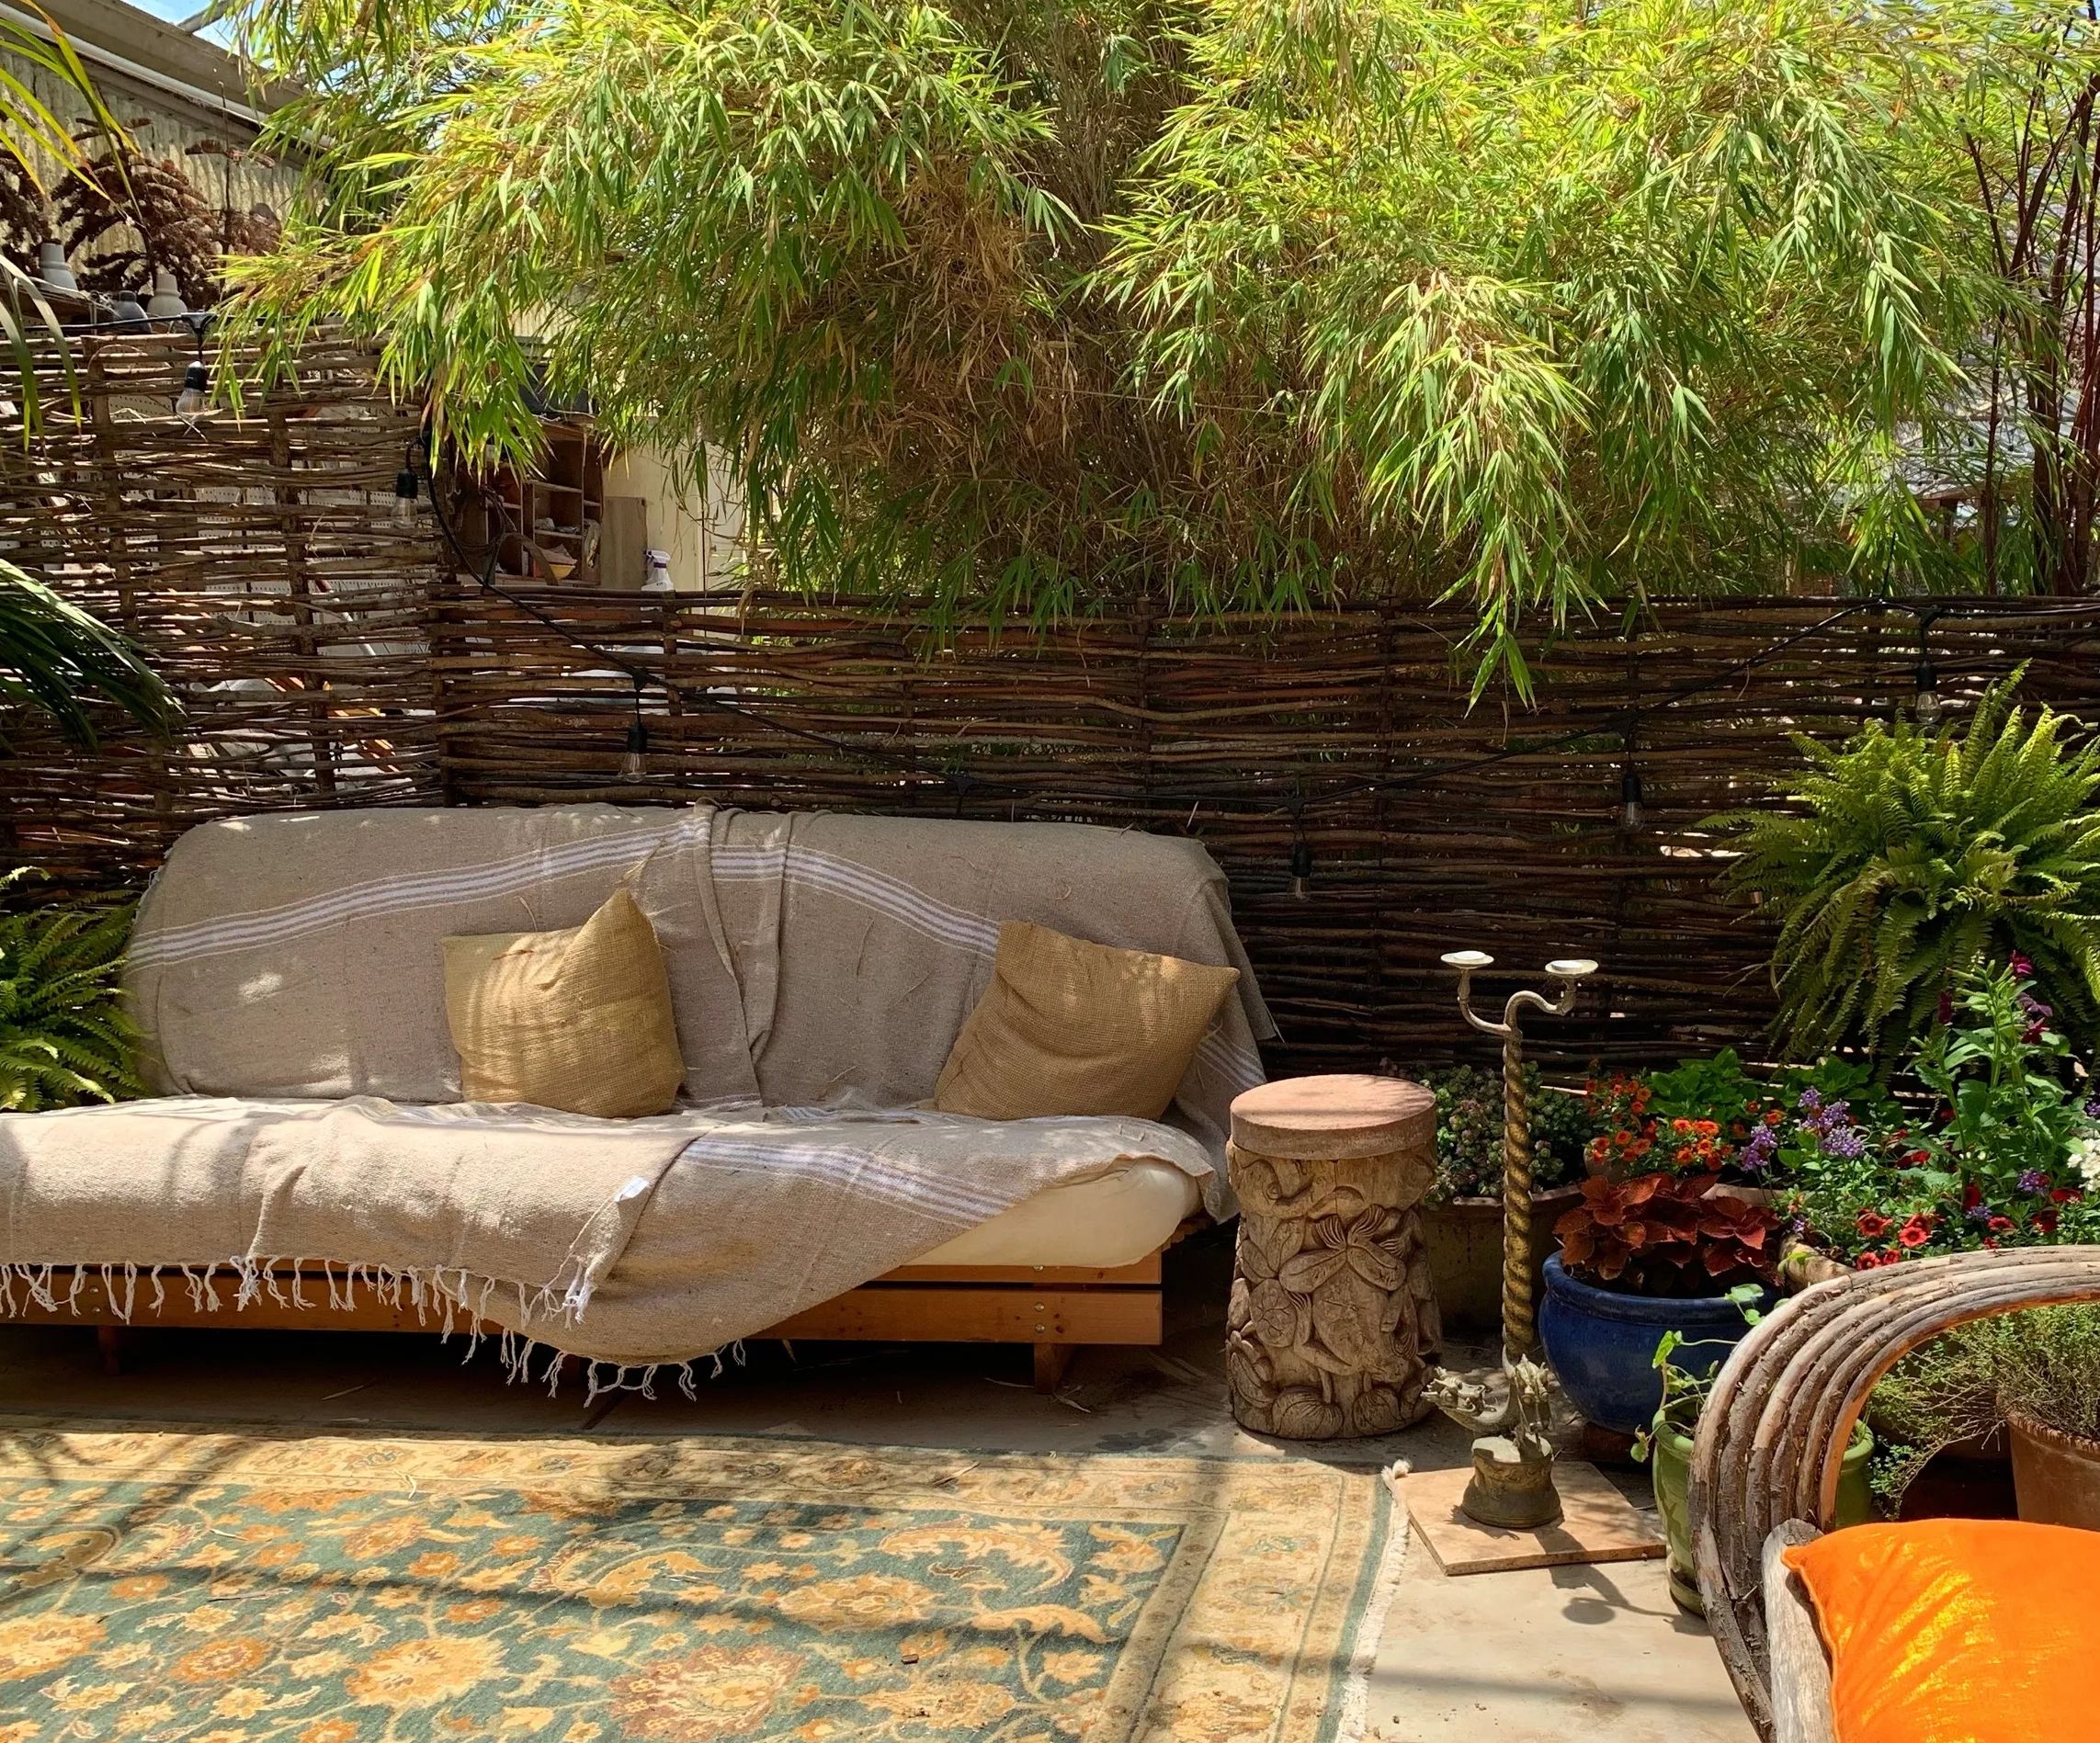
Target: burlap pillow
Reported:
point(1071, 1027)
point(578, 1020)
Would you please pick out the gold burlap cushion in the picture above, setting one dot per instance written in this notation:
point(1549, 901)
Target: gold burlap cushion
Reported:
point(1071, 1027)
point(578, 1020)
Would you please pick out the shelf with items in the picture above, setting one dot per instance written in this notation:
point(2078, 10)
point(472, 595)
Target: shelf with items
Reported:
point(551, 517)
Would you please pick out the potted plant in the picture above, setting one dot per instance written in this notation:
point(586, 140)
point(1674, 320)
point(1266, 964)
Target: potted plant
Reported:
point(2004, 1149)
point(1667, 1442)
point(2032, 1379)
point(1639, 1258)
point(1911, 855)
point(1461, 1217)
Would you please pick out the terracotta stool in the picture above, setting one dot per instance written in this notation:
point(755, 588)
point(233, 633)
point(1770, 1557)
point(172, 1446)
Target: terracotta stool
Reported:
point(1333, 1325)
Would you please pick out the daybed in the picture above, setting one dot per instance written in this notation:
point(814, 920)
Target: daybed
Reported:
point(1771, 1439)
point(310, 1161)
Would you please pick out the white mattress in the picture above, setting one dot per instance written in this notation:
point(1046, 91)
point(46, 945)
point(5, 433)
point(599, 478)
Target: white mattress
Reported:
point(1114, 1219)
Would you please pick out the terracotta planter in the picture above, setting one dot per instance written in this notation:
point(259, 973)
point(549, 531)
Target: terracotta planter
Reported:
point(2054, 1475)
point(1463, 1238)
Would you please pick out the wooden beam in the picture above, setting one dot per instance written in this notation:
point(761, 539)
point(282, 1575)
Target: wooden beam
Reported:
point(1146, 1270)
point(965, 1310)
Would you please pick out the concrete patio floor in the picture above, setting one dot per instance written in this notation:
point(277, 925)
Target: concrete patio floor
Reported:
point(1563, 1654)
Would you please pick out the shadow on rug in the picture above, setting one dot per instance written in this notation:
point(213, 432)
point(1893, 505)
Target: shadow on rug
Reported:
point(260, 1587)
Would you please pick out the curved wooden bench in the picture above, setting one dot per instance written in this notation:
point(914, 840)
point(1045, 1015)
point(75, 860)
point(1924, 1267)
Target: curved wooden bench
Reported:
point(1775, 1430)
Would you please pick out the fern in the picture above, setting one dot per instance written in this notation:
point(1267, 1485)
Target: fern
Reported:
point(65, 1036)
point(1915, 854)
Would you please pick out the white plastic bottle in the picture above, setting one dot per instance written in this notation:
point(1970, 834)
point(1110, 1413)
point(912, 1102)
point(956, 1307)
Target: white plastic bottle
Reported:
point(656, 570)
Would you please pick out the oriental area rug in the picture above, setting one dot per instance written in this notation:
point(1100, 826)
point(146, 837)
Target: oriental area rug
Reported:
point(184, 1586)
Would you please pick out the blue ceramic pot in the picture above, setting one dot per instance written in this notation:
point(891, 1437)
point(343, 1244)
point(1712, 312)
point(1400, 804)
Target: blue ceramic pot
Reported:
point(1602, 1345)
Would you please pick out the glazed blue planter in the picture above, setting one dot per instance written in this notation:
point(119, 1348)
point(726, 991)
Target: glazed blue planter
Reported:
point(1602, 1345)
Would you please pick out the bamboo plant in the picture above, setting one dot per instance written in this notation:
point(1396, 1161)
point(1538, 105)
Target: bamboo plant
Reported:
point(1231, 304)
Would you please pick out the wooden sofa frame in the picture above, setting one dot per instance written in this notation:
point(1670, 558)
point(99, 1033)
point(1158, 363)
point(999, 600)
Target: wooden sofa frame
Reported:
point(1053, 1308)
point(1772, 1440)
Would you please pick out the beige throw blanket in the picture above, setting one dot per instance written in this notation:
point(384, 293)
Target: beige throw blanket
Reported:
point(636, 1242)
point(288, 971)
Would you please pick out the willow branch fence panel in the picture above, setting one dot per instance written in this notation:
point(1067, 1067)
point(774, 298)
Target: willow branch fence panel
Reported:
point(328, 656)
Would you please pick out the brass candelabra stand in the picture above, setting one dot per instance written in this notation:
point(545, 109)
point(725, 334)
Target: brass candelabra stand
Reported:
point(1512, 1483)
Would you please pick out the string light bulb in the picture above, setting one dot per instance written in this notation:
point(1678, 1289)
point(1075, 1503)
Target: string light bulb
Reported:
point(1300, 869)
point(1632, 809)
point(635, 759)
point(405, 491)
point(196, 393)
point(1925, 707)
point(634, 763)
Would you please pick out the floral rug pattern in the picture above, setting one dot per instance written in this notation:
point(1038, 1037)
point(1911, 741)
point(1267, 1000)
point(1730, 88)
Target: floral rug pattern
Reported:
point(212, 1588)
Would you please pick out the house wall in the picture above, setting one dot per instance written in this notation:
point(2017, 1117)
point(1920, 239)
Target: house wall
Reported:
point(703, 531)
point(170, 92)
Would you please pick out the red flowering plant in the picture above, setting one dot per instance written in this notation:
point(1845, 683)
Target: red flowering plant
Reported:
point(1624, 1133)
point(1661, 1234)
point(1712, 1116)
point(2005, 1152)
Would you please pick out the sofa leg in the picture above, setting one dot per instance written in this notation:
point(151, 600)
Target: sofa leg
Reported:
point(1051, 1360)
point(114, 1341)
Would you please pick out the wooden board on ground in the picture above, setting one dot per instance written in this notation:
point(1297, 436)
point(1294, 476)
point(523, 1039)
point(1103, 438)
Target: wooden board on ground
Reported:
point(1596, 1524)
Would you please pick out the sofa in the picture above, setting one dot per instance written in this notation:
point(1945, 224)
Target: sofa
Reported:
point(306, 1159)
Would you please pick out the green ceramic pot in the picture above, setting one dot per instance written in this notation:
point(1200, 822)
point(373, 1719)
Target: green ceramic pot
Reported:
point(1670, 1459)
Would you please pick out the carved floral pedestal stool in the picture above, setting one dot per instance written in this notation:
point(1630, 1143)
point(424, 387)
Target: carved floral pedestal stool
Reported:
point(1333, 1325)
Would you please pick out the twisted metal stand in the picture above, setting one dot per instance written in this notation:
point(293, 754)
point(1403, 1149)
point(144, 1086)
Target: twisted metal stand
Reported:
point(1513, 1452)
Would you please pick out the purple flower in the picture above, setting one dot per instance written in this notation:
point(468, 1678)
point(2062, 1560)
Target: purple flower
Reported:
point(2032, 1180)
point(1811, 1101)
point(1757, 1154)
point(1979, 1212)
point(2022, 967)
point(2093, 1108)
point(1847, 1142)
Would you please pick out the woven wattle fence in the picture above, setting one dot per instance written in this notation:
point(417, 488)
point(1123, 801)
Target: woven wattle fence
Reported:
point(329, 657)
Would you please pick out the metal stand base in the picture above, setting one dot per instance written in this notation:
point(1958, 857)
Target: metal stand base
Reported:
point(1512, 1484)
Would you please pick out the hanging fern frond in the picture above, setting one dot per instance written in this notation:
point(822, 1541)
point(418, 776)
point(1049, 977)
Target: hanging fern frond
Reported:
point(54, 657)
point(65, 1036)
point(1916, 855)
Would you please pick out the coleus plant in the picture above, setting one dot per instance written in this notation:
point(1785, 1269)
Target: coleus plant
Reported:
point(1662, 1235)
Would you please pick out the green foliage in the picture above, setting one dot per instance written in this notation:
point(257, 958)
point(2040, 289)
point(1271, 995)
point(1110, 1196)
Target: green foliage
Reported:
point(66, 1037)
point(1713, 1115)
point(1685, 1386)
point(1232, 303)
point(1662, 1235)
point(2002, 1147)
point(53, 655)
point(2043, 1363)
point(1469, 1126)
point(37, 53)
point(1918, 855)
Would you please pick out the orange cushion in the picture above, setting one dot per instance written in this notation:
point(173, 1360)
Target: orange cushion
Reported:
point(1958, 1630)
